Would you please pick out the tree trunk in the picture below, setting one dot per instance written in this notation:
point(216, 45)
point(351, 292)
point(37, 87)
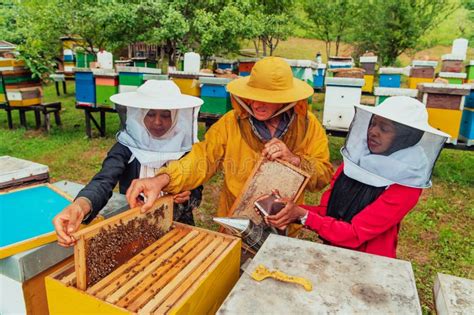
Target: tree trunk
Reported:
point(264, 47)
point(328, 48)
point(256, 44)
point(338, 41)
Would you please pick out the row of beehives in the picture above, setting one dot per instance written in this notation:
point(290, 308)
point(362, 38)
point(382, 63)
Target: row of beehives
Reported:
point(450, 106)
point(95, 86)
point(17, 86)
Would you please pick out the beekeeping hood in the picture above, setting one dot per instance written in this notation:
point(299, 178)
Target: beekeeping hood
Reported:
point(408, 160)
point(154, 152)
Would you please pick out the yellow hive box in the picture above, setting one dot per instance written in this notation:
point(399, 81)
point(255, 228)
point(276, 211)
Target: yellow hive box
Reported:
point(413, 82)
point(188, 86)
point(11, 63)
point(446, 120)
point(2, 98)
point(369, 83)
point(187, 271)
point(27, 102)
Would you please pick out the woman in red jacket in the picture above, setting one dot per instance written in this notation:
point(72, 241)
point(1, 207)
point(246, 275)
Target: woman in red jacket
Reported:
point(388, 157)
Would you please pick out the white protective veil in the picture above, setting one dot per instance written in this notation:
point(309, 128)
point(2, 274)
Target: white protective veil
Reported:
point(154, 152)
point(407, 158)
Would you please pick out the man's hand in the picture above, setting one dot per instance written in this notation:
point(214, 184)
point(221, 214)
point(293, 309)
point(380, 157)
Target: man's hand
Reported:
point(68, 221)
point(182, 197)
point(149, 188)
point(277, 149)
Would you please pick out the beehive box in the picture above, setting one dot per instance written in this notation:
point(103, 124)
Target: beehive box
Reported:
point(390, 77)
point(382, 93)
point(215, 96)
point(186, 271)
point(85, 87)
point(341, 96)
point(422, 71)
point(470, 71)
point(188, 82)
point(106, 85)
point(368, 63)
point(469, 102)
point(453, 77)
point(24, 96)
point(318, 76)
point(466, 132)
point(133, 76)
point(226, 64)
point(369, 84)
point(444, 103)
point(452, 63)
point(246, 65)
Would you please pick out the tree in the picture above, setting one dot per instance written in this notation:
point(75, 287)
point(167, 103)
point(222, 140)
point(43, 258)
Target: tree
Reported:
point(469, 5)
point(332, 21)
point(267, 22)
point(390, 27)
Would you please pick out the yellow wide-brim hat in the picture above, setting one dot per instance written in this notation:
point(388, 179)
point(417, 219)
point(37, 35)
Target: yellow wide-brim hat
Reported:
point(271, 81)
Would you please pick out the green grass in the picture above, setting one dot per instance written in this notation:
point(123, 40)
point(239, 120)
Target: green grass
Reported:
point(436, 236)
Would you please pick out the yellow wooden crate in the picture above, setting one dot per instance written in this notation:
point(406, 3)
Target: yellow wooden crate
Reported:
point(27, 102)
point(446, 120)
point(369, 83)
point(188, 86)
point(11, 63)
point(413, 82)
point(187, 271)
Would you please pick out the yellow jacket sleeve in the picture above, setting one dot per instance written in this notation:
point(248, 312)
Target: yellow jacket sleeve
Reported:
point(201, 162)
point(314, 154)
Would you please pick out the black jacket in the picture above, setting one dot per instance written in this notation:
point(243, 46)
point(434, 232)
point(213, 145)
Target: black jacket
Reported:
point(116, 168)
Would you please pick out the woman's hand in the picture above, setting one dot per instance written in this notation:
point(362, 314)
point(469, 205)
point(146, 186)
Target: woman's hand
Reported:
point(68, 221)
point(150, 188)
point(287, 215)
point(277, 149)
point(182, 197)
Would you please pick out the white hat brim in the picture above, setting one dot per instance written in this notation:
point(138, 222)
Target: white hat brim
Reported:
point(134, 99)
point(421, 126)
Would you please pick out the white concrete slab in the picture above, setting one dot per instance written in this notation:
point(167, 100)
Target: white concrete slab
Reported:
point(453, 295)
point(344, 282)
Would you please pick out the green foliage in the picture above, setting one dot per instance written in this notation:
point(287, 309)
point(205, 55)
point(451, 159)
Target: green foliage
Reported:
point(397, 25)
point(332, 21)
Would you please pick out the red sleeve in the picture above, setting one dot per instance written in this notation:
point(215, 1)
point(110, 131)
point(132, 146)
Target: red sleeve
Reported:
point(388, 210)
point(323, 204)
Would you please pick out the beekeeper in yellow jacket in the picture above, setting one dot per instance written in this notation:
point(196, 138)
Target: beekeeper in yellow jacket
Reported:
point(270, 118)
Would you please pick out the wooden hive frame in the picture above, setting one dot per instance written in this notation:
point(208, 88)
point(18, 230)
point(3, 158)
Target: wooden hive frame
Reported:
point(131, 229)
point(254, 188)
point(161, 277)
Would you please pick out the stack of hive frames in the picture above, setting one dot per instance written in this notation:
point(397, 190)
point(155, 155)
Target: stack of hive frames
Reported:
point(162, 277)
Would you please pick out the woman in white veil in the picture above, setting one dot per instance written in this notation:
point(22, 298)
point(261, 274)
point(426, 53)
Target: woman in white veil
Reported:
point(161, 126)
point(389, 156)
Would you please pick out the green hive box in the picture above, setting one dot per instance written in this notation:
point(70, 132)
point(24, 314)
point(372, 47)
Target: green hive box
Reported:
point(129, 78)
point(470, 70)
point(215, 105)
point(2, 90)
point(103, 94)
point(83, 60)
point(455, 81)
